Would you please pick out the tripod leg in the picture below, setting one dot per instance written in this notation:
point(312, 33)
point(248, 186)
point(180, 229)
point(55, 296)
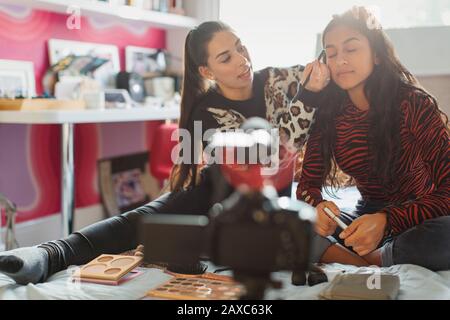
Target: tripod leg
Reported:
point(316, 275)
point(298, 278)
point(255, 285)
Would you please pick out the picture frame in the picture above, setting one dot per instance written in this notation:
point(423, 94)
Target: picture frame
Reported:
point(125, 183)
point(59, 49)
point(17, 79)
point(145, 61)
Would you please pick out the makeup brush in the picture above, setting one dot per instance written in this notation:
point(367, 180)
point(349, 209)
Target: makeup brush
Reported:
point(335, 218)
point(321, 55)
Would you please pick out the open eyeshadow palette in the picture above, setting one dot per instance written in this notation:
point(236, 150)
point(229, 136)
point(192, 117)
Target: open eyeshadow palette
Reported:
point(109, 269)
point(207, 286)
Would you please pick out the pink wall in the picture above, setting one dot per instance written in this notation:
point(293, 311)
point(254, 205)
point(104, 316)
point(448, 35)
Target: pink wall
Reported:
point(30, 155)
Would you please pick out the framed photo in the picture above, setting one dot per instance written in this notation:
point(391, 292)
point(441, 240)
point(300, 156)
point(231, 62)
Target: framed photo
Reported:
point(17, 79)
point(126, 183)
point(105, 74)
point(145, 61)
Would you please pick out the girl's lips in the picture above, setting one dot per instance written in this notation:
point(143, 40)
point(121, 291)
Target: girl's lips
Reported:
point(246, 74)
point(344, 73)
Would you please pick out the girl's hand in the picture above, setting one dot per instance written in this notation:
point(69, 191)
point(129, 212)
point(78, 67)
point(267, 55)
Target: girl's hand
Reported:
point(325, 226)
point(320, 76)
point(365, 233)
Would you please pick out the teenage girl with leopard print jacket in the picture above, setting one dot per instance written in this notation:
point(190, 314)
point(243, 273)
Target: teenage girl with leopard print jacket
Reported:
point(213, 55)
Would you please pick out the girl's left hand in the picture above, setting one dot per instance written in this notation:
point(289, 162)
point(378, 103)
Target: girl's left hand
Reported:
point(320, 76)
point(365, 233)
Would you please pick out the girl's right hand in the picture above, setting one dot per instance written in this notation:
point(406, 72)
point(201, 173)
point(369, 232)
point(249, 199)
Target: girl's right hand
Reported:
point(320, 76)
point(325, 226)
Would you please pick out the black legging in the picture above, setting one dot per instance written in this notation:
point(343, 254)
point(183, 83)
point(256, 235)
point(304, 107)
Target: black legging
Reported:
point(118, 234)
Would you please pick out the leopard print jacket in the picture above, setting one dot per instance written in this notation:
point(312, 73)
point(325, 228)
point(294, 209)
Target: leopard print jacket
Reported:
point(290, 115)
point(283, 110)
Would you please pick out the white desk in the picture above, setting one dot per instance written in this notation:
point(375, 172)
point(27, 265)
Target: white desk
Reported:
point(67, 119)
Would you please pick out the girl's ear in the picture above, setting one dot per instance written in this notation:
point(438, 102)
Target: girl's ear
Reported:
point(206, 73)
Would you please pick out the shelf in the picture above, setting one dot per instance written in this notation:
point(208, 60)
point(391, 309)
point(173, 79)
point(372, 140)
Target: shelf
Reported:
point(102, 9)
point(89, 115)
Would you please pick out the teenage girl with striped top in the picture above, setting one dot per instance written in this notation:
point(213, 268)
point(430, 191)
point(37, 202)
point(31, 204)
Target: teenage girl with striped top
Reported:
point(379, 126)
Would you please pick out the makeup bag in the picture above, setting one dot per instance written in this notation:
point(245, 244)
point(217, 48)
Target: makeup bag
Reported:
point(375, 286)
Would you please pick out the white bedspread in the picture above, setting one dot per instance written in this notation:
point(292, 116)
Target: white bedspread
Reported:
point(415, 283)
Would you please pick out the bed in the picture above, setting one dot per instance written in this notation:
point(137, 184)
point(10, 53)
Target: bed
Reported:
point(415, 282)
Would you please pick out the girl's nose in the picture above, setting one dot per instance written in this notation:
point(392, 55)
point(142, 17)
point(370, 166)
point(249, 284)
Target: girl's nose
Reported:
point(341, 61)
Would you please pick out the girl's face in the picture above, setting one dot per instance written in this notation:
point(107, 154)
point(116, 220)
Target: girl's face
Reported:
point(349, 57)
point(229, 64)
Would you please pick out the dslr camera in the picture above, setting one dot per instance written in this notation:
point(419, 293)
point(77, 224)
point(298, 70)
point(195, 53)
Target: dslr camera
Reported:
point(253, 232)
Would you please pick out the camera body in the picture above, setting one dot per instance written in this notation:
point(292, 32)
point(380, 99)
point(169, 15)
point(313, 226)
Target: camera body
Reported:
point(250, 230)
point(247, 232)
point(258, 233)
point(254, 234)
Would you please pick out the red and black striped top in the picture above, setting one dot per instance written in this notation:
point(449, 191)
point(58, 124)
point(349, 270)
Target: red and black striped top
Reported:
point(423, 172)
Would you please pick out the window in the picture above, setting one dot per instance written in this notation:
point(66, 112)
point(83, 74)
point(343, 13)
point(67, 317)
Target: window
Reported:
point(284, 32)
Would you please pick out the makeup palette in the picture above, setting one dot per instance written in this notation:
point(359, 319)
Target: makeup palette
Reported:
point(206, 275)
point(109, 267)
point(197, 288)
point(129, 276)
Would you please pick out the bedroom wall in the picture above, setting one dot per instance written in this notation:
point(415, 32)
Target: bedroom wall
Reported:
point(30, 168)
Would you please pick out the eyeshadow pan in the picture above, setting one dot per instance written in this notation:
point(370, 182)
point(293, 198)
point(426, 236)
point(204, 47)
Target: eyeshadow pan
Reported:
point(113, 271)
point(95, 268)
point(121, 262)
point(105, 259)
point(197, 288)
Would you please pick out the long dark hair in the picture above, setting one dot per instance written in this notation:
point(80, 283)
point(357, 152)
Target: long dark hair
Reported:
point(194, 87)
point(382, 89)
